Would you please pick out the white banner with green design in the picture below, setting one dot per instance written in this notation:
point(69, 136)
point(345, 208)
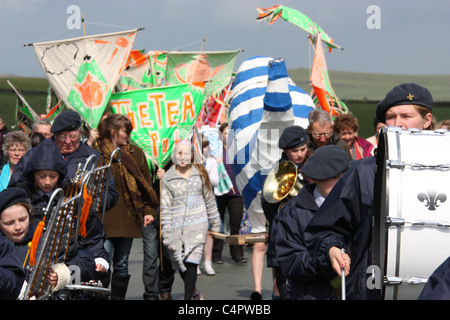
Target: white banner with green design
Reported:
point(83, 71)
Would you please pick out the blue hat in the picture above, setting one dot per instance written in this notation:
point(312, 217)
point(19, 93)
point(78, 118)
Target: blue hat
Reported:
point(11, 196)
point(293, 137)
point(68, 120)
point(326, 162)
point(46, 156)
point(406, 93)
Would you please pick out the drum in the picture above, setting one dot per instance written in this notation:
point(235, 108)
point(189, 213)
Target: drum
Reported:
point(411, 225)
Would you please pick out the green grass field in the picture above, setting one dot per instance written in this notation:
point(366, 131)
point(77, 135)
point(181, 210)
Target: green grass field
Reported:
point(360, 91)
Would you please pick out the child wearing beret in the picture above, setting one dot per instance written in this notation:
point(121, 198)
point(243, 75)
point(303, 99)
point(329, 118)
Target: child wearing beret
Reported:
point(305, 281)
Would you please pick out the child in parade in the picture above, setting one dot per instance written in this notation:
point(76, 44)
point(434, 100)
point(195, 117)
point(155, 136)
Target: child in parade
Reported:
point(294, 143)
point(305, 282)
point(18, 225)
point(187, 207)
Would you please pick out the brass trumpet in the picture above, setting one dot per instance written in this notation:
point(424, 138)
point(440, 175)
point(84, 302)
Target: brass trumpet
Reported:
point(282, 183)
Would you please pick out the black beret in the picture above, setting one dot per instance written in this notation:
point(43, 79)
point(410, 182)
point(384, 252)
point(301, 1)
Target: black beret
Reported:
point(66, 121)
point(326, 162)
point(11, 196)
point(406, 93)
point(293, 137)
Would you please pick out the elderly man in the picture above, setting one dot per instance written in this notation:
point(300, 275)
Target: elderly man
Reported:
point(321, 133)
point(43, 126)
point(66, 131)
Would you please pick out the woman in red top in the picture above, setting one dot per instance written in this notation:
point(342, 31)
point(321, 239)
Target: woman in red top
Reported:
point(346, 125)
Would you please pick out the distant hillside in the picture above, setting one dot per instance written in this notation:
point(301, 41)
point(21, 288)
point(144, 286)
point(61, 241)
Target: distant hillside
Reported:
point(360, 91)
point(373, 86)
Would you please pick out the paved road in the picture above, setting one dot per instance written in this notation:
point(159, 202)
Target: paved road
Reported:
point(231, 282)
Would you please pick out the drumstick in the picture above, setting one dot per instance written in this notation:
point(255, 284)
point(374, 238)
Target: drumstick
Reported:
point(343, 280)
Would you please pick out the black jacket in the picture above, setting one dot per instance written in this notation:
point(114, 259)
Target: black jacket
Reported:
point(11, 273)
point(72, 161)
point(344, 220)
point(48, 156)
point(80, 256)
point(438, 285)
point(270, 211)
point(305, 280)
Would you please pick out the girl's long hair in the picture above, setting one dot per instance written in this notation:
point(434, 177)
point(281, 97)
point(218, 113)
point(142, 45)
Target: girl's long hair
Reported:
point(195, 162)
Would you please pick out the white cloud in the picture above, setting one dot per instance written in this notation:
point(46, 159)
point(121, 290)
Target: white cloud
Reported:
point(22, 5)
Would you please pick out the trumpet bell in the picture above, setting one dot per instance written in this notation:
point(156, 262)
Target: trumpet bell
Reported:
point(281, 182)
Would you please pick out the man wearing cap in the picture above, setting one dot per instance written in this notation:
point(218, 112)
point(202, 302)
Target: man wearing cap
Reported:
point(294, 143)
point(323, 168)
point(344, 220)
point(66, 131)
point(67, 134)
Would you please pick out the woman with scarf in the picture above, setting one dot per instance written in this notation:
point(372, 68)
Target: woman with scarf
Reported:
point(137, 202)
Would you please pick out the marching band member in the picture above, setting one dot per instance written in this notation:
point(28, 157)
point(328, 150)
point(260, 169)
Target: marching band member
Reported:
point(305, 282)
point(344, 219)
point(66, 129)
point(294, 143)
point(17, 224)
point(11, 272)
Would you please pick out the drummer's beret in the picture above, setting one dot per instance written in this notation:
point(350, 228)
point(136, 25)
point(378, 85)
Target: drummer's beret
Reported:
point(326, 162)
point(11, 196)
point(68, 120)
point(293, 137)
point(406, 93)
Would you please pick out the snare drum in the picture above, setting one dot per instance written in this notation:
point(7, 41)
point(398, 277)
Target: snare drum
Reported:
point(411, 230)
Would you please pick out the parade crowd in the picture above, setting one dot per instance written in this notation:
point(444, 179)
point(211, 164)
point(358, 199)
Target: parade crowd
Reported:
point(311, 238)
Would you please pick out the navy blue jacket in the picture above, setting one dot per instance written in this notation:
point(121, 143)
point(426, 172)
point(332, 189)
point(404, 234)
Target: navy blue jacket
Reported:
point(438, 285)
point(305, 280)
point(11, 273)
point(48, 156)
point(344, 221)
point(72, 160)
point(79, 256)
point(270, 212)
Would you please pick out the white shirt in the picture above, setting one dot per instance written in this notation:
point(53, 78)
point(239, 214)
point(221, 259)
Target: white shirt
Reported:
point(318, 197)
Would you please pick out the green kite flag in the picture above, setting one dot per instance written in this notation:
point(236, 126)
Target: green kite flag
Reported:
point(297, 18)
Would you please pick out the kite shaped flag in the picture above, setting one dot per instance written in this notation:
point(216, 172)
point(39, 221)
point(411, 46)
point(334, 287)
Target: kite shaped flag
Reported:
point(143, 70)
point(214, 68)
point(322, 89)
point(24, 115)
point(264, 101)
point(83, 71)
point(214, 109)
point(161, 116)
point(297, 18)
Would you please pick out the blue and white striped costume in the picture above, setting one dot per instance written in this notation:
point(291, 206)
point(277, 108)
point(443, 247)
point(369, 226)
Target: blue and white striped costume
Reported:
point(264, 102)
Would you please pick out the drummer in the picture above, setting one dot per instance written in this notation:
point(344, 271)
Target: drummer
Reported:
point(344, 219)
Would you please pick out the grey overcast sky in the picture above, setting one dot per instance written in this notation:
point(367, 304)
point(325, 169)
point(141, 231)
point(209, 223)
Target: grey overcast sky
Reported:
point(413, 37)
